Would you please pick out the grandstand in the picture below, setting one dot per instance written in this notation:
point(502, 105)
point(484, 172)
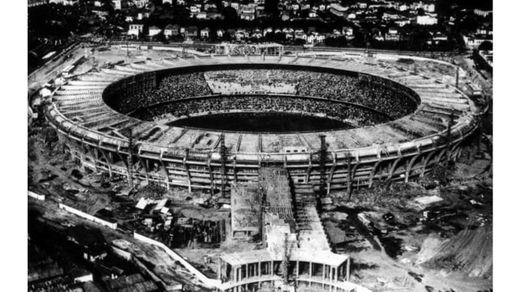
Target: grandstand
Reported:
point(396, 114)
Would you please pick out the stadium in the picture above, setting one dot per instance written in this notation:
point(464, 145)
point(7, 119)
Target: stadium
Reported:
point(205, 121)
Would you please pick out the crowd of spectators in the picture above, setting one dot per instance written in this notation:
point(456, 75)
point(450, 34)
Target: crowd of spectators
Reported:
point(170, 88)
point(354, 115)
point(360, 90)
point(252, 81)
point(364, 90)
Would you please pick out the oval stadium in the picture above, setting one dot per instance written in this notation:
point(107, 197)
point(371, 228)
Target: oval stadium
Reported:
point(203, 122)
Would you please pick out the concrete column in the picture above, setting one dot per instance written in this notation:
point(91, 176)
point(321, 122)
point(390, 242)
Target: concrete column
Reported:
point(310, 269)
point(219, 274)
point(323, 271)
point(259, 272)
point(297, 269)
point(347, 275)
point(272, 268)
point(348, 270)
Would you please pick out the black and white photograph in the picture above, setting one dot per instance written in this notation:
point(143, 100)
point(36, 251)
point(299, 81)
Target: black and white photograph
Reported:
point(257, 146)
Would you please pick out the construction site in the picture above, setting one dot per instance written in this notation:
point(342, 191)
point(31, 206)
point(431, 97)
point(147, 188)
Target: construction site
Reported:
point(398, 198)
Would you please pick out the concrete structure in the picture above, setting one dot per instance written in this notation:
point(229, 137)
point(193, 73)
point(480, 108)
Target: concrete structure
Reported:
point(153, 31)
point(135, 29)
point(242, 49)
point(427, 19)
point(296, 251)
point(245, 208)
point(174, 156)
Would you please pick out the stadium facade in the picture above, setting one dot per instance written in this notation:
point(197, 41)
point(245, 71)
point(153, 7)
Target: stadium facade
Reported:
point(399, 147)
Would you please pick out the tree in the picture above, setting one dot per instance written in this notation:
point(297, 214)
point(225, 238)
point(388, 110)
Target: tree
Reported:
point(230, 14)
point(271, 8)
point(486, 46)
point(299, 42)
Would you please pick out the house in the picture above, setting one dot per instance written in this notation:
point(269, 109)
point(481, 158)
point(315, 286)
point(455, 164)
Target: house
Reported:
point(289, 33)
point(338, 10)
point(116, 4)
point(257, 33)
point(378, 36)
point(427, 19)
point(473, 41)
point(194, 9)
point(481, 12)
point(485, 29)
point(220, 33)
point(248, 15)
point(81, 275)
point(347, 31)
point(247, 11)
point(64, 2)
point(100, 13)
point(34, 3)
point(135, 29)
point(241, 33)
point(315, 38)
point(167, 1)
point(438, 37)
point(313, 13)
point(260, 11)
point(403, 7)
point(300, 34)
point(90, 241)
point(140, 3)
point(192, 32)
point(204, 33)
point(362, 5)
point(402, 21)
point(231, 32)
point(235, 5)
point(214, 15)
point(171, 30)
point(201, 15)
point(390, 16)
point(153, 31)
point(392, 35)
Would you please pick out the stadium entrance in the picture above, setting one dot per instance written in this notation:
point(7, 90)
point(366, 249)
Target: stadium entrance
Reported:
point(272, 122)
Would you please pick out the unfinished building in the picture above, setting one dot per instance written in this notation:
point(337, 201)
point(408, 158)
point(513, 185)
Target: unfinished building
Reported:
point(246, 210)
point(295, 253)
